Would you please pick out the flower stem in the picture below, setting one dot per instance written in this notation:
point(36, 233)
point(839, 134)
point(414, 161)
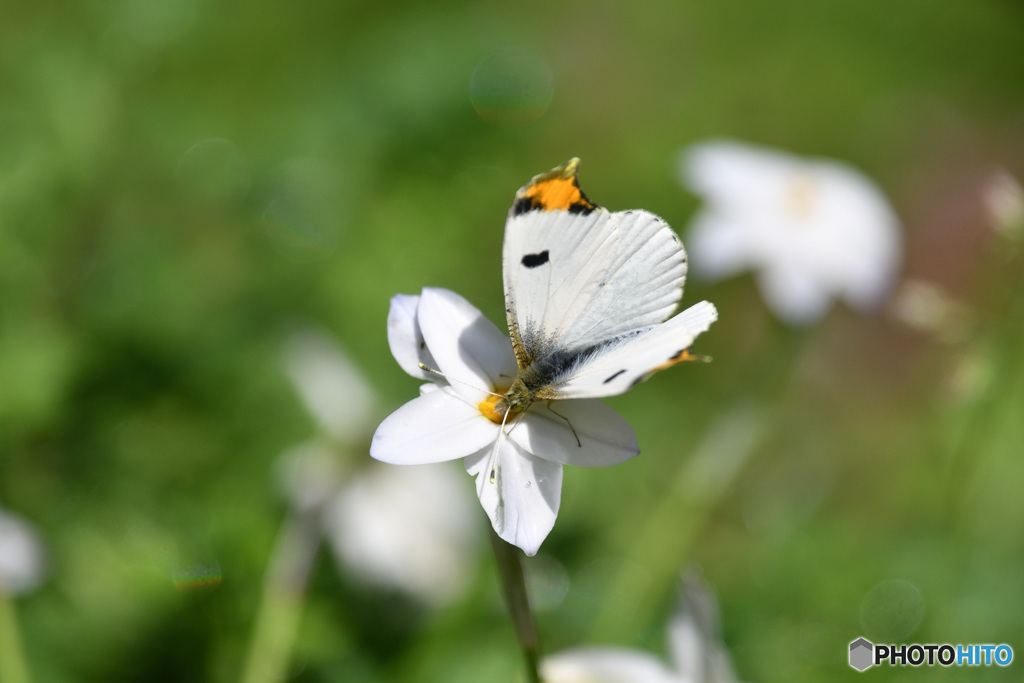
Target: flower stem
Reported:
point(13, 667)
point(664, 540)
point(284, 589)
point(511, 569)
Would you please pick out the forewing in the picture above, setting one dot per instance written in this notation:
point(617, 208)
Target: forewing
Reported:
point(576, 274)
point(615, 367)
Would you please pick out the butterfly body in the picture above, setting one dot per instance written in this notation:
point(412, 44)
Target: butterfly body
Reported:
point(539, 379)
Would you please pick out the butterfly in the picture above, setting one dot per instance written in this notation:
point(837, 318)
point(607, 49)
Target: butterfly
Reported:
point(588, 294)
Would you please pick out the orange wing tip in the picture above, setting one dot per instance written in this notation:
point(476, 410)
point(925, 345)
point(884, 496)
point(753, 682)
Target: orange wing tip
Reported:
point(554, 190)
point(692, 357)
point(569, 169)
point(566, 171)
point(683, 356)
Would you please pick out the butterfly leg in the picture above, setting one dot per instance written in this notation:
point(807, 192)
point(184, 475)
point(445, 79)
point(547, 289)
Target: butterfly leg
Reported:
point(552, 410)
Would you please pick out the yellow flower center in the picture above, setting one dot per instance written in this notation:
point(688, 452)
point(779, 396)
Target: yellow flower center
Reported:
point(488, 407)
point(801, 196)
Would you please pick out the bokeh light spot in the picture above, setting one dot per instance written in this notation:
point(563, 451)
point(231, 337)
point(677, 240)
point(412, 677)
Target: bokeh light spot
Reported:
point(547, 582)
point(301, 222)
point(891, 610)
point(197, 575)
point(302, 219)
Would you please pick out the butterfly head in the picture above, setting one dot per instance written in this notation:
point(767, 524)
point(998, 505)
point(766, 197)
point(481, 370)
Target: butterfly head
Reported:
point(517, 399)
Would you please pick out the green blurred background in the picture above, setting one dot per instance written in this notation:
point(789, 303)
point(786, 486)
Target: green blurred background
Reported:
point(183, 182)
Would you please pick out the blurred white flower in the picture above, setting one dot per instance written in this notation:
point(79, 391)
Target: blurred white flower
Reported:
point(696, 651)
point(695, 641)
point(518, 471)
point(811, 230)
point(406, 527)
point(926, 307)
point(1003, 198)
point(330, 384)
point(22, 558)
point(409, 529)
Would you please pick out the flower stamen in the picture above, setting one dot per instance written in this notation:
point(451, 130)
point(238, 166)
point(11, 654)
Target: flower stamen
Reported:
point(801, 196)
point(488, 408)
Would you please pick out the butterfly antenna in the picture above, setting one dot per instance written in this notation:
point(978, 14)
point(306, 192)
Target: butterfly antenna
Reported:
point(427, 368)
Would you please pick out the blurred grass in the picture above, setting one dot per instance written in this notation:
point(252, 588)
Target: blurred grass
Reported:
point(183, 182)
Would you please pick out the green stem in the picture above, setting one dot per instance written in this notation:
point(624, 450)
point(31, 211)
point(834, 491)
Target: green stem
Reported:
point(511, 569)
point(677, 518)
point(13, 666)
point(699, 483)
point(284, 589)
point(981, 427)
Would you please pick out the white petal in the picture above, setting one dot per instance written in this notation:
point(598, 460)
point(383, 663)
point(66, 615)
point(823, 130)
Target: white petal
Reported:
point(406, 339)
point(693, 628)
point(606, 665)
point(697, 655)
point(694, 636)
point(522, 496)
point(434, 427)
point(22, 559)
point(865, 233)
point(467, 346)
point(736, 174)
point(605, 438)
point(687, 648)
point(818, 229)
point(793, 295)
point(413, 528)
point(330, 384)
point(719, 245)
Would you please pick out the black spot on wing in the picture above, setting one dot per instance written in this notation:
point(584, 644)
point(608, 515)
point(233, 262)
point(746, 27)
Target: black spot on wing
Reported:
point(614, 376)
point(523, 205)
point(527, 203)
point(535, 260)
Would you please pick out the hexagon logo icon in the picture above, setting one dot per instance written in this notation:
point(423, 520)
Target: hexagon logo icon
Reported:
point(861, 654)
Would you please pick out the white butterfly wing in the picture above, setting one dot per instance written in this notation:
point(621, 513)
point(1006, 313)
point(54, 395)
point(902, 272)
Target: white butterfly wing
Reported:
point(618, 365)
point(576, 275)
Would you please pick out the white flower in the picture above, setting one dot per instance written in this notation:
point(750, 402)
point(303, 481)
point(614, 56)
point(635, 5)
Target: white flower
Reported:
point(22, 559)
point(696, 652)
point(1003, 198)
point(404, 528)
point(812, 230)
point(518, 476)
point(926, 307)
